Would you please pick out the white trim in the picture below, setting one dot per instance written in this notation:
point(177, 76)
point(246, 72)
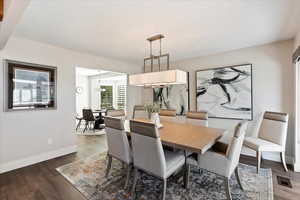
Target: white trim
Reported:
point(9, 166)
point(297, 167)
point(297, 118)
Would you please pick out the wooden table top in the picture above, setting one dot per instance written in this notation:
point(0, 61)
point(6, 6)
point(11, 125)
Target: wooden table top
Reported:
point(99, 111)
point(188, 137)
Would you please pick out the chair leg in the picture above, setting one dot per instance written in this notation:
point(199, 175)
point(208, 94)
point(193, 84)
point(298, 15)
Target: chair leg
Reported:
point(283, 161)
point(227, 188)
point(164, 189)
point(127, 176)
point(108, 166)
point(85, 127)
point(236, 171)
point(258, 156)
point(135, 179)
point(78, 125)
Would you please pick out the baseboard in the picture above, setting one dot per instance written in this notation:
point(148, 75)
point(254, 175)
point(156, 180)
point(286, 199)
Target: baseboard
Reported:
point(16, 164)
point(297, 167)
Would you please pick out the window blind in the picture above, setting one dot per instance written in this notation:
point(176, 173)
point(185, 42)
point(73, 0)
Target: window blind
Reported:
point(121, 100)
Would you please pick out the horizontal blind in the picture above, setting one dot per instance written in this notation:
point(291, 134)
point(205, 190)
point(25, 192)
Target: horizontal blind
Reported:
point(121, 100)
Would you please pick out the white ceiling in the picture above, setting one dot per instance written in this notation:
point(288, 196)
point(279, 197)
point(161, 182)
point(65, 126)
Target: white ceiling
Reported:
point(99, 73)
point(88, 72)
point(118, 28)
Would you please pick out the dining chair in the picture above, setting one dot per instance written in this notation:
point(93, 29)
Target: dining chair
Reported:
point(197, 118)
point(88, 117)
point(149, 156)
point(224, 162)
point(118, 145)
point(116, 113)
point(139, 112)
point(167, 115)
point(271, 137)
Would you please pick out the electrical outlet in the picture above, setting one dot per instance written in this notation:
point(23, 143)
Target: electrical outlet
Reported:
point(50, 141)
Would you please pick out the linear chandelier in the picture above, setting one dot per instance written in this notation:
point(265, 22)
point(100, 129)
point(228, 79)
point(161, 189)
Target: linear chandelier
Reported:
point(160, 78)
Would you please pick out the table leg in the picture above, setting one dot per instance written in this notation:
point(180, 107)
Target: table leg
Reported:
point(187, 172)
point(101, 118)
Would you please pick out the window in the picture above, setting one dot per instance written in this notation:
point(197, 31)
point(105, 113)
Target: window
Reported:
point(30, 86)
point(106, 97)
point(121, 101)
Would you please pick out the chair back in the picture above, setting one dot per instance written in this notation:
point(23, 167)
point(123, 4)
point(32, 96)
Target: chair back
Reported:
point(197, 118)
point(274, 128)
point(167, 115)
point(148, 153)
point(117, 140)
point(116, 113)
point(87, 115)
point(139, 112)
point(235, 147)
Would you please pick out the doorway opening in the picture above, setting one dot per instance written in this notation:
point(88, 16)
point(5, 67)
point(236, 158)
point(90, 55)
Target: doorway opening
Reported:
point(96, 92)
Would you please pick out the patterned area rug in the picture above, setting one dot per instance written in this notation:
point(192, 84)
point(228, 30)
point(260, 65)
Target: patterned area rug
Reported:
point(88, 177)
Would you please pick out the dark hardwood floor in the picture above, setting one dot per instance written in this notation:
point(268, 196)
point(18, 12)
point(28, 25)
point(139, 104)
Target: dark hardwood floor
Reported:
point(43, 182)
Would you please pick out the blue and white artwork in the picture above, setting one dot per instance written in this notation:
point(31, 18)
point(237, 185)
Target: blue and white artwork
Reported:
point(225, 92)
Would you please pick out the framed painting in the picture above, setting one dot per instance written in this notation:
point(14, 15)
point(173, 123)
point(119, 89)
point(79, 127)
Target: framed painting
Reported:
point(29, 86)
point(225, 92)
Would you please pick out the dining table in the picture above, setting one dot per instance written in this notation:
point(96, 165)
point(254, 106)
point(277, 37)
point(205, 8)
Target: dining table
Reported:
point(187, 137)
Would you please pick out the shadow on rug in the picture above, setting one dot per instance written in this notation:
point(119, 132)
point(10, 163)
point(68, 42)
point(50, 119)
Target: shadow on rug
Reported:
point(88, 176)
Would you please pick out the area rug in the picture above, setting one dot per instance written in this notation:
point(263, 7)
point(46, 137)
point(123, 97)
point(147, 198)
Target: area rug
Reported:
point(88, 176)
point(90, 132)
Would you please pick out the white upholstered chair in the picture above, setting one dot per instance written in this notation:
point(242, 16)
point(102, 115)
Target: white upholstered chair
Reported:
point(118, 144)
point(149, 156)
point(223, 162)
point(197, 118)
point(139, 112)
point(271, 137)
point(167, 115)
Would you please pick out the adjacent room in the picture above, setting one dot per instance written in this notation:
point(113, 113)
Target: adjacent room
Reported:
point(148, 100)
point(97, 92)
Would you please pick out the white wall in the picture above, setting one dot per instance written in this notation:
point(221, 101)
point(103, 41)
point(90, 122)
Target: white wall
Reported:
point(272, 82)
point(24, 135)
point(297, 40)
point(82, 99)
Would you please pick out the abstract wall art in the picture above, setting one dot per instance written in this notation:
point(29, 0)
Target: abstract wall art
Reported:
point(173, 97)
point(225, 92)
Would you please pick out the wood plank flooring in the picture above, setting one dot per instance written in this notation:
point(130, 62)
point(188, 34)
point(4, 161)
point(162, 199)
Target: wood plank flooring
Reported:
point(43, 182)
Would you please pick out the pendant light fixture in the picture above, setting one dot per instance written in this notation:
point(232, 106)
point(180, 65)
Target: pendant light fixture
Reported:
point(160, 78)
